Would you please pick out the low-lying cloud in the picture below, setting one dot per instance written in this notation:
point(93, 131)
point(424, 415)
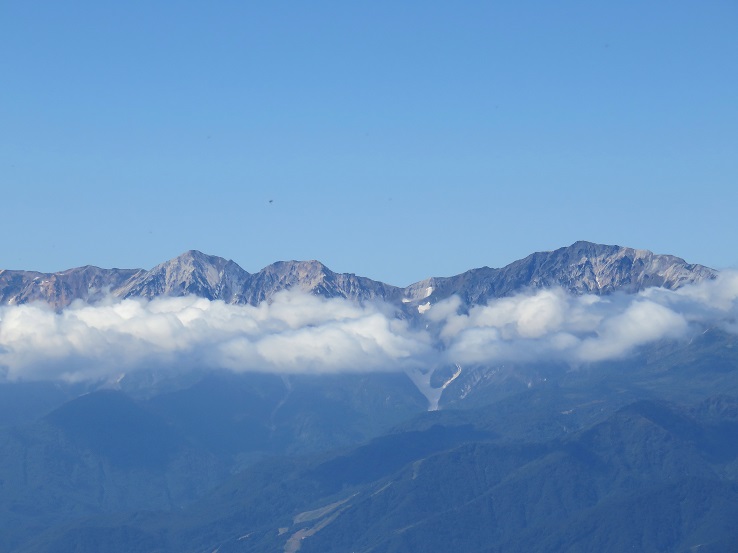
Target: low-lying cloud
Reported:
point(296, 332)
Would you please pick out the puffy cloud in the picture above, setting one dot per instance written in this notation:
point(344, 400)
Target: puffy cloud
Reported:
point(551, 324)
point(296, 332)
point(640, 323)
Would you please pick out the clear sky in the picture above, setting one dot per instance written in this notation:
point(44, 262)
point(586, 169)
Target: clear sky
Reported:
point(395, 140)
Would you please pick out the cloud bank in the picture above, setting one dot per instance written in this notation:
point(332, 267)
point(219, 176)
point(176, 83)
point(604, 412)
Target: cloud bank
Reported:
point(296, 332)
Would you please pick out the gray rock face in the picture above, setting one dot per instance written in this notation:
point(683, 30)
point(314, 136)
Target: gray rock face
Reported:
point(315, 278)
point(87, 283)
point(192, 273)
point(581, 268)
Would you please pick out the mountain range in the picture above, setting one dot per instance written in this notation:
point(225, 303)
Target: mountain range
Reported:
point(583, 267)
point(633, 453)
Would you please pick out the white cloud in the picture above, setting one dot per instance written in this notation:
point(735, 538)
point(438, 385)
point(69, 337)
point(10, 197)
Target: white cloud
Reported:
point(297, 332)
point(640, 323)
point(551, 324)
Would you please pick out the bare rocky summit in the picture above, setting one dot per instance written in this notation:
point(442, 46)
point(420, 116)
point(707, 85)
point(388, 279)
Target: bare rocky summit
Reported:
point(581, 268)
point(87, 283)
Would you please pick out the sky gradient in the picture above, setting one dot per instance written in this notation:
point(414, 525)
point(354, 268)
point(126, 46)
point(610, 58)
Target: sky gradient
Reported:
point(394, 140)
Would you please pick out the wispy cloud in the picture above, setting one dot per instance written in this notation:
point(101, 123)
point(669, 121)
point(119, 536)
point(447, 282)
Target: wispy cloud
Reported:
point(297, 332)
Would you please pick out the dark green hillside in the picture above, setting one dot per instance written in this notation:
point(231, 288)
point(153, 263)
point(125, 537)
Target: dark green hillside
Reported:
point(100, 453)
point(688, 514)
point(652, 477)
point(589, 458)
point(112, 426)
point(106, 453)
point(23, 402)
point(251, 415)
point(487, 497)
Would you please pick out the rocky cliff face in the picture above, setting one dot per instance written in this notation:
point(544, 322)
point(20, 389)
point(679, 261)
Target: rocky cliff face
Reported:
point(192, 273)
point(581, 268)
point(88, 284)
point(315, 278)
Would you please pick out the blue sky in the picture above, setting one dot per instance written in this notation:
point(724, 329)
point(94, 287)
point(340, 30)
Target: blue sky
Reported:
point(396, 140)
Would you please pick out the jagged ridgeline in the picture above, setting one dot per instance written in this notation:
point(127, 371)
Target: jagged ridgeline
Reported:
point(583, 267)
point(529, 454)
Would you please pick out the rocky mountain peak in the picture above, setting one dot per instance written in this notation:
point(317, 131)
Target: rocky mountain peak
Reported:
point(307, 276)
point(583, 267)
point(297, 270)
point(192, 272)
point(61, 288)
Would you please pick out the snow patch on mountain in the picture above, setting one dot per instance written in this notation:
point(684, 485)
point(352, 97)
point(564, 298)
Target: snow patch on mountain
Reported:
point(421, 377)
